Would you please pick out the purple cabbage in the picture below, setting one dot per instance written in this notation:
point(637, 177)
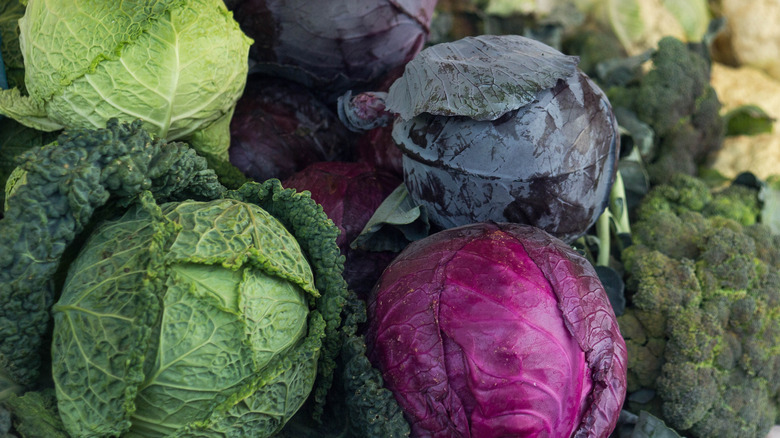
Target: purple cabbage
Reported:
point(350, 193)
point(377, 148)
point(550, 164)
point(279, 127)
point(492, 330)
point(337, 44)
point(500, 128)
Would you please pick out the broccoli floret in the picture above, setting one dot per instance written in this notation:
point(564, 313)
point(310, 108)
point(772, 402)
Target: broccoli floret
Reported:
point(737, 202)
point(676, 100)
point(703, 320)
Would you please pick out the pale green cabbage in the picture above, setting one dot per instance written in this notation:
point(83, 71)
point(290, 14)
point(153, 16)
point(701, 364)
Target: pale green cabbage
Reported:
point(178, 65)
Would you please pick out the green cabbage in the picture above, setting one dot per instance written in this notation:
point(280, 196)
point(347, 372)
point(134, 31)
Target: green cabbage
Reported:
point(180, 66)
point(183, 308)
point(185, 318)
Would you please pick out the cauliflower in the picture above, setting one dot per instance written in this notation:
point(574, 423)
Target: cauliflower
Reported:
point(702, 328)
point(759, 153)
point(750, 39)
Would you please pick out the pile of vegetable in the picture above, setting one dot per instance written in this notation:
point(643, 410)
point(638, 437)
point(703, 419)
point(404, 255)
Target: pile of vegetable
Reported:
point(379, 219)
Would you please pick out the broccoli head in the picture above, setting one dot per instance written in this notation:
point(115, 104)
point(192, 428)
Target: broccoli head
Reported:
point(676, 100)
point(703, 320)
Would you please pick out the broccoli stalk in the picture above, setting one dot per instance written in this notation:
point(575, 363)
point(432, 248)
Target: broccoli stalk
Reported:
point(703, 325)
point(614, 219)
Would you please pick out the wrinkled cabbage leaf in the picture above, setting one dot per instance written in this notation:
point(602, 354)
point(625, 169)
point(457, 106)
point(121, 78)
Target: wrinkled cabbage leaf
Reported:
point(481, 77)
point(16, 138)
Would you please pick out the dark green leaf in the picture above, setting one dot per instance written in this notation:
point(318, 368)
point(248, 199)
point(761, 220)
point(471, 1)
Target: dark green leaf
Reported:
point(635, 180)
point(34, 415)
point(16, 138)
point(640, 133)
point(748, 120)
point(614, 286)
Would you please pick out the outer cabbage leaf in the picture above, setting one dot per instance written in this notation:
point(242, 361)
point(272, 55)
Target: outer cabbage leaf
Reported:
point(178, 65)
point(495, 330)
point(33, 415)
point(317, 235)
point(56, 54)
point(481, 77)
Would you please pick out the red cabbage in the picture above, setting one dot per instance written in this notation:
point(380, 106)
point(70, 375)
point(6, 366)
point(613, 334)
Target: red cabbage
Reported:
point(497, 329)
point(550, 164)
point(349, 193)
point(499, 128)
point(279, 127)
point(377, 148)
point(338, 44)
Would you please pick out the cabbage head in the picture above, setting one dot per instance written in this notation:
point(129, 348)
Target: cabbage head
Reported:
point(179, 65)
point(493, 330)
point(186, 319)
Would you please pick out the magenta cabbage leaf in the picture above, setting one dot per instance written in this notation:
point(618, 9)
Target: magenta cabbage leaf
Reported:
point(494, 330)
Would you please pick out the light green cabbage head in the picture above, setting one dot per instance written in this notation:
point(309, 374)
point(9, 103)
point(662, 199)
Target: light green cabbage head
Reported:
point(179, 65)
point(186, 319)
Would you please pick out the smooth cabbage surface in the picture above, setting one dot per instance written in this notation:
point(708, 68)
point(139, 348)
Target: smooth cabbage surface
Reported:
point(187, 319)
point(478, 337)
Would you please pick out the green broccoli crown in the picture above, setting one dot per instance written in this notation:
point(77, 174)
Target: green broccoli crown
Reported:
point(703, 279)
point(676, 100)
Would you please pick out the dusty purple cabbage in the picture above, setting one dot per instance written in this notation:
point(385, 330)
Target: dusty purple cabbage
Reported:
point(377, 148)
point(350, 193)
point(279, 127)
point(550, 164)
point(340, 44)
point(494, 330)
point(500, 128)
